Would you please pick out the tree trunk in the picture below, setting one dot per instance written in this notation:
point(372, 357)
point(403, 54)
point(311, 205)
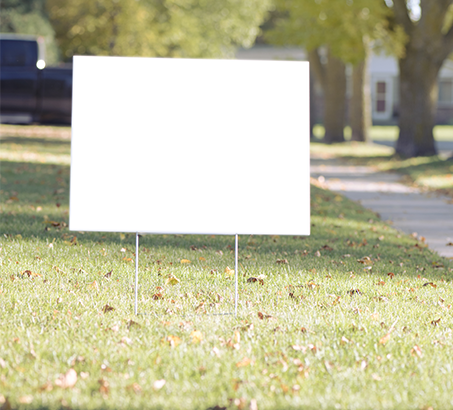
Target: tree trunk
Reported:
point(418, 104)
point(332, 77)
point(360, 104)
point(312, 104)
point(428, 45)
point(334, 100)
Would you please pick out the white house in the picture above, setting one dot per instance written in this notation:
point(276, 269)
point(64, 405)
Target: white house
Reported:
point(384, 90)
point(383, 79)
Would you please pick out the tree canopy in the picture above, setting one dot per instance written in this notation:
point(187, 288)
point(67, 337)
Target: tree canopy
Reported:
point(342, 25)
point(164, 28)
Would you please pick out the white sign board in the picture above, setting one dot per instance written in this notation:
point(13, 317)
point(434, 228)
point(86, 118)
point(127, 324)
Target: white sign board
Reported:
point(190, 146)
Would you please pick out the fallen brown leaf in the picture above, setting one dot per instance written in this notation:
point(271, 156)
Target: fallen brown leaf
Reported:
point(173, 341)
point(196, 336)
point(135, 387)
point(384, 339)
point(104, 387)
point(263, 316)
point(229, 271)
point(244, 362)
point(30, 273)
point(131, 323)
point(25, 399)
point(416, 350)
point(46, 386)
point(107, 308)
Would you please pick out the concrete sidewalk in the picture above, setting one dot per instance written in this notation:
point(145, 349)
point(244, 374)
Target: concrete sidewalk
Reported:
point(410, 210)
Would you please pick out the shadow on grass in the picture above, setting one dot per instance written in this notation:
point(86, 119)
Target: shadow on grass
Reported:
point(151, 406)
point(36, 141)
point(36, 207)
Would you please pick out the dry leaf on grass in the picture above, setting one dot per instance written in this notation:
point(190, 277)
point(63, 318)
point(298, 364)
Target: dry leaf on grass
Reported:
point(197, 336)
point(173, 341)
point(229, 271)
point(104, 387)
point(47, 386)
point(107, 308)
point(384, 339)
point(25, 399)
point(135, 387)
point(172, 280)
point(67, 380)
point(299, 348)
point(416, 351)
point(93, 285)
point(259, 279)
point(130, 323)
point(158, 384)
point(30, 273)
point(244, 362)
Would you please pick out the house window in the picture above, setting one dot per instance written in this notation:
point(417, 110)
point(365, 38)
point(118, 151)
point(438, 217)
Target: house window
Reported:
point(381, 87)
point(446, 91)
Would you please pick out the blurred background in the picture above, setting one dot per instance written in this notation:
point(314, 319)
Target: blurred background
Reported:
point(372, 62)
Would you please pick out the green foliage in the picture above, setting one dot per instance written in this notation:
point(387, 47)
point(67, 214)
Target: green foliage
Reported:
point(29, 17)
point(346, 26)
point(170, 28)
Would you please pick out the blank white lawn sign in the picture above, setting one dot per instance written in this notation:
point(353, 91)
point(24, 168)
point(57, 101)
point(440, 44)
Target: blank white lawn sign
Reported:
point(190, 146)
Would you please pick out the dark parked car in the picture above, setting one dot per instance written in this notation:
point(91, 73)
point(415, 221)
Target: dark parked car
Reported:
point(30, 92)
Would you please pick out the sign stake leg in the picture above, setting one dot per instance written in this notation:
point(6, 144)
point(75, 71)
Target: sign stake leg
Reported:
point(136, 274)
point(236, 267)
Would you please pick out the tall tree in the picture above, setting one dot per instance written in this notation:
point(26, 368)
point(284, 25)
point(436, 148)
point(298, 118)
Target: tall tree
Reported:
point(346, 28)
point(429, 42)
point(29, 17)
point(332, 76)
point(165, 28)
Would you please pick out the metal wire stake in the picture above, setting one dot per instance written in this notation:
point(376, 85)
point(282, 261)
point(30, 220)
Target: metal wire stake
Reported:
point(136, 273)
point(236, 275)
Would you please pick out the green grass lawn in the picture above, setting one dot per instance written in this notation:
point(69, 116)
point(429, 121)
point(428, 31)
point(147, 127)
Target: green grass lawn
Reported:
point(355, 316)
point(390, 132)
point(433, 173)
